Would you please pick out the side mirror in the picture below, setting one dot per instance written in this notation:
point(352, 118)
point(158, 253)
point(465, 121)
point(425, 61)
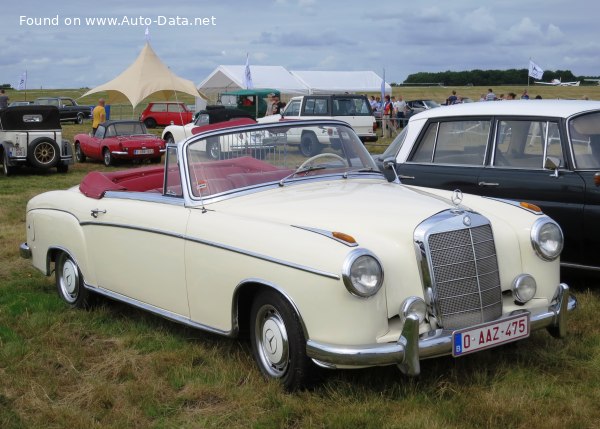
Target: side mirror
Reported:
point(389, 169)
point(552, 163)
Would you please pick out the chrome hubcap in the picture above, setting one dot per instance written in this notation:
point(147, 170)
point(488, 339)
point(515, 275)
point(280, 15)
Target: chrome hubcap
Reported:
point(272, 341)
point(69, 281)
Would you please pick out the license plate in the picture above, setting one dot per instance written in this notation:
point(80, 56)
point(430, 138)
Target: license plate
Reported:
point(490, 334)
point(17, 151)
point(143, 151)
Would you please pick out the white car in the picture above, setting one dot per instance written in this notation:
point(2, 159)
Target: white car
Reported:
point(322, 260)
point(353, 109)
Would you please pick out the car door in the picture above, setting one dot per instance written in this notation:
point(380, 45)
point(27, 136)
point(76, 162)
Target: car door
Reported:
point(448, 154)
point(517, 172)
point(92, 145)
point(137, 245)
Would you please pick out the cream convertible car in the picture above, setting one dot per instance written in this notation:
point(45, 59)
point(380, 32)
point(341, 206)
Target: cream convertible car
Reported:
point(321, 259)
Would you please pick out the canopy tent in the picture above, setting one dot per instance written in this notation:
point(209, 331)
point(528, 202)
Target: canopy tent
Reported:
point(147, 75)
point(230, 78)
point(327, 82)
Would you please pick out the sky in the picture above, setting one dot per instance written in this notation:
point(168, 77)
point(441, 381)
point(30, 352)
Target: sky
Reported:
point(66, 45)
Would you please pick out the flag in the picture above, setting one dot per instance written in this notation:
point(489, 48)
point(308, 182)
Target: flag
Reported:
point(22, 81)
point(383, 87)
point(535, 71)
point(147, 34)
point(247, 75)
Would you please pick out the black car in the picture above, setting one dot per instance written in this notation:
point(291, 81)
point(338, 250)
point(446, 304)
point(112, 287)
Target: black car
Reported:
point(545, 153)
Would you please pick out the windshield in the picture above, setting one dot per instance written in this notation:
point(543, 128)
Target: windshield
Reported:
point(279, 153)
point(394, 147)
point(129, 128)
point(431, 104)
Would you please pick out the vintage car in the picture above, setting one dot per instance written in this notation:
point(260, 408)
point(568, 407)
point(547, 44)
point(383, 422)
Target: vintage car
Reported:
point(321, 260)
point(211, 115)
point(119, 140)
point(32, 136)
point(165, 113)
point(68, 108)
point(545, 152)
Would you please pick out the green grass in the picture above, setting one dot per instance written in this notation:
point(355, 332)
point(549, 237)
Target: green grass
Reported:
point(117, 367)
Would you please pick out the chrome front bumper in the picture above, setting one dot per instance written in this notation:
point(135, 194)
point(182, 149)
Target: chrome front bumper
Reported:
point(412, 347)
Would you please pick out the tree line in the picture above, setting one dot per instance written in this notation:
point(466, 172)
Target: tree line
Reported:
point(488, 77)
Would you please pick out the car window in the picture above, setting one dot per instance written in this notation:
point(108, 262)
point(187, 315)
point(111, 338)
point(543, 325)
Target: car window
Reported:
point(316, 106)
point(66, 102)
point(454, 142)
point(526, 144)
point(172, 174)
point(158, 107)
point(128, 128)
point(175, 108)
point(202, 119)
point(110, 131)
point(293, 108)
point(100, 132)
point(584, 133)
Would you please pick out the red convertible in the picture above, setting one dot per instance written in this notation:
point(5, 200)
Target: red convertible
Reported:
point(116, 140)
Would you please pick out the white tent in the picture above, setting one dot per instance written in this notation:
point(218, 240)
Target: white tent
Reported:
point(231, 78)
point(327, 82)
point(147, 75)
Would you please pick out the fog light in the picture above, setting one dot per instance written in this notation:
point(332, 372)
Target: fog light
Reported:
point(524, 288)
point(413, 305)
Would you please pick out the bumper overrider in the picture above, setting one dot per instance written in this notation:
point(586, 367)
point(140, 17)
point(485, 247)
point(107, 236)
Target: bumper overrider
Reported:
point(412, 347)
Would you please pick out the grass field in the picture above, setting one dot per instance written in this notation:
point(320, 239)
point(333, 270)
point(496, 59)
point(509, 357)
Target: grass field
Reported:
point(117, 367)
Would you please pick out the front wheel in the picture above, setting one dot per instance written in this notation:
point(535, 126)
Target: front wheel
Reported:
point(278, 341)
point(7, 169)
point(69, 282)
point(79, 119)
point(79, 153)
point(309, 145)
point(107, 157)
point(62, 167)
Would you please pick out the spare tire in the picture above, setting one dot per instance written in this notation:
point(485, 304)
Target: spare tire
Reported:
point(43, 152)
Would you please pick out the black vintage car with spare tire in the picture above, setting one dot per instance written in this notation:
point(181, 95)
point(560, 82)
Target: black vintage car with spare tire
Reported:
point(32, 136)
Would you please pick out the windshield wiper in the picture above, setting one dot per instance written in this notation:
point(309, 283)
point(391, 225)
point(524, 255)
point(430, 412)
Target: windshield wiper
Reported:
point(301, 170)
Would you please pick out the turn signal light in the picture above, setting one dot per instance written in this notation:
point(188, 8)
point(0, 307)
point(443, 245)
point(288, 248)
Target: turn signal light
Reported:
point(344, 237)
point(530, 206)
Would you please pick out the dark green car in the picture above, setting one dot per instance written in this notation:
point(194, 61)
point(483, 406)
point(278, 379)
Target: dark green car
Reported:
point(253, 101)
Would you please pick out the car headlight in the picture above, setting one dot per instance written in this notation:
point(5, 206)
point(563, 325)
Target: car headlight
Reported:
point(362, 273)
point(524, 288)
point(547, 239)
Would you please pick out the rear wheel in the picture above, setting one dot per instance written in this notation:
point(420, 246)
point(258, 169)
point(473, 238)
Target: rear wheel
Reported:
point(309, 145)
point(169, 138)
point(278, 341)
point(150, 122)
point(213, 149)
point(79, 153)
point(79, 119)
point(69, 282)
point(8, 170)
point(107, 157)
point(43, 153)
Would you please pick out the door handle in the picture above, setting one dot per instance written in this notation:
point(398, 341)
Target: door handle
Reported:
point(406, 177)
point(96, 212)
point(488, 184)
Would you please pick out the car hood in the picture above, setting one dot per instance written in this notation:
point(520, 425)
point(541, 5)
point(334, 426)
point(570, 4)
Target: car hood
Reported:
point(358, 207)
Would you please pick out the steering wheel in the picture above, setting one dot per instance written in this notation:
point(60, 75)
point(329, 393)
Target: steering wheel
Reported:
point(311, 160)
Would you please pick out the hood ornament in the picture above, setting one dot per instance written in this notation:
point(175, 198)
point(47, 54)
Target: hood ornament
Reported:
point(457, 197)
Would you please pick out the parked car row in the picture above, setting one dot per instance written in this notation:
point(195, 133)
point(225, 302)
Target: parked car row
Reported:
point(286, 250)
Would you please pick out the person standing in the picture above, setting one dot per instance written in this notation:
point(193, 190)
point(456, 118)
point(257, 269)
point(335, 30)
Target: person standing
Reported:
point(525, 96)
point(3, 99)
point(98, 115)
point(452, 99)
point(490, 95)
point(400, 108)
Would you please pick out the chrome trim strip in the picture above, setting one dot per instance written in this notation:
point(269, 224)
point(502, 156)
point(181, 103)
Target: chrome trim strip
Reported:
point(325, 233)
point(579, 266)
point(151, 197)
point(218, 246)
point(159, 311)
point(514, 203)
point(409, 349)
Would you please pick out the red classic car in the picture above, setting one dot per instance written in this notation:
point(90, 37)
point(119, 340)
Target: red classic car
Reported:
point(165, 113)
point(119, 140)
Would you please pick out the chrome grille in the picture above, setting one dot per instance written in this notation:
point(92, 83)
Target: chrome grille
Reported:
point(464, 274)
